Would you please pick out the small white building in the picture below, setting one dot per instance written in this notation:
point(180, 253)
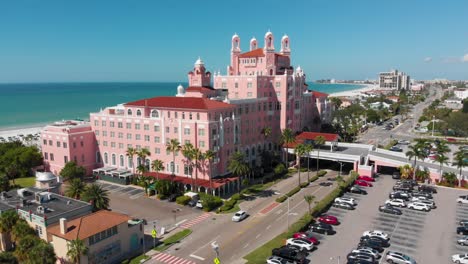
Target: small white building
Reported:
point(379, 105)
point(461, 93)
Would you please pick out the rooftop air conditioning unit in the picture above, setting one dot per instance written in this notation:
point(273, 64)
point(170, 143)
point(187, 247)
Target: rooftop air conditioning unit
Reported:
point(40, 210)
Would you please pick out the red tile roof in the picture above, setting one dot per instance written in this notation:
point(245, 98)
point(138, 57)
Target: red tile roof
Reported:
point(181, 102)
point(319, 94)
point(254, 53)
point(88, 225)
point(313, 135)
point(199, 89)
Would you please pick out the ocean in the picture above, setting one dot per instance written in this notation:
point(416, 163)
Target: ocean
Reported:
point(34, 104)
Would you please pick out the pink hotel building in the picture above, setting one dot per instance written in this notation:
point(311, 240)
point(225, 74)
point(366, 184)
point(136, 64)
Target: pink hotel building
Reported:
point(261, 89)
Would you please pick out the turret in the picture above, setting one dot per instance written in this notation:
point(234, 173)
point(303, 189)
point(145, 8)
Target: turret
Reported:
point(285, 48)
point(199, 76)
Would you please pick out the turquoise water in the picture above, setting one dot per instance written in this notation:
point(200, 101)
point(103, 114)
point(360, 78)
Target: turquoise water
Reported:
point(27, 105)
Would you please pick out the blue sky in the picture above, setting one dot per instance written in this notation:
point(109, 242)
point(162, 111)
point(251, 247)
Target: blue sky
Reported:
point(54, 41)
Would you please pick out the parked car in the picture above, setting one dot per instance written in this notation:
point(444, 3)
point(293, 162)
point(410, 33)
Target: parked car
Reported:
point(419, 206)
point(462, 230)
point(463, 241)
point(307, 236)
point(343, 206)
point(389, 210)
point(383, 243)
point(417, 198)
point(347, 200)
point(357, 189)
point(278, 260)
point(408, 181)
point(430, 203)
point(369, 251)
point(328, 219)
point(239, 216)
point(302, 244)
point(396, 149)
point(366, 178)
point(322, 228)
point(371, 244)
point(199, 204)
point(396, 202)
point(360, 256)
point(192, 203)
point(290, 253)
point(396, 175)
point(376, 233)
point(460, 258)
point(399, 195)
point(462, 199)
point(427, 189)
point(463, 222)
point(363, 183)
point(403, 142)
point(326, 183)
point(399, 258)
point(403, 187)
point(422, 194)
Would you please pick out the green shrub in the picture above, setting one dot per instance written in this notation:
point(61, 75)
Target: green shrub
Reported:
point(228, 205)
point(210, 202)
point(237, 196)
point(314, 178)
point(281, 199)
point(321, 173)
point(183, 200)
point(293, 191)
point(162, 196)
point(304, 184)
point(280, 169)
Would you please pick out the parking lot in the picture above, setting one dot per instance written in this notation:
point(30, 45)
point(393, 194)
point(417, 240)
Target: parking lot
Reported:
point(428, 237)
point(131, 192)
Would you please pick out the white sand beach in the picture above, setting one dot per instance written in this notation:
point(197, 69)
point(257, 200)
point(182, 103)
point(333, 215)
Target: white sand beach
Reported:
point(356, 92)
point(14, 133)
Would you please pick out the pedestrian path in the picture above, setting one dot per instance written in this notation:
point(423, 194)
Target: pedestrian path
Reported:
point(196, 220)
point(169, 259)
point(270, 207)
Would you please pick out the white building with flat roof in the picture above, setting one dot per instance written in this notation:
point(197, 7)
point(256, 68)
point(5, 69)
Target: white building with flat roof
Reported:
point(394, 80)
point(461, 93)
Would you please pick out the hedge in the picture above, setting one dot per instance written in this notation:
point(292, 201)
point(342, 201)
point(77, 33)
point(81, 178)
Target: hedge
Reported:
point(209, 201)
point(321, 173)
point(314, 178)
point(183, 200)
point(304, 184)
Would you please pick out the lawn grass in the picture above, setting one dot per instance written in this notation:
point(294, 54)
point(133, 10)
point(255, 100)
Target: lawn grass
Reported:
point(233, 209)
point(137, 260)
point(176, 238)
point(25, 182)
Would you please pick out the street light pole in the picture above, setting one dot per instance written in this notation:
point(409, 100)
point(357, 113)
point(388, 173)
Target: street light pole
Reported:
point(288, 213)
point(338, 258)
point(175, 215)
point(433, 122)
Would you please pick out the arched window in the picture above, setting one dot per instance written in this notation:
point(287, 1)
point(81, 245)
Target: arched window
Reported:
point(121, 161)
point(130, 162)
point(247, 152)
point(106, 158)
point(129, 112)
point(113, 159)
point(147, 164)
point(138, 112)
point(155, 113)
point(98, 157)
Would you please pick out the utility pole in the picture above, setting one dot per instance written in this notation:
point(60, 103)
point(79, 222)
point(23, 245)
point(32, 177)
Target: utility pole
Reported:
point(433, 123)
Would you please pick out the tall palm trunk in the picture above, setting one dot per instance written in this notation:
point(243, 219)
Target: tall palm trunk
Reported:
point(318, 158)
point(308, 168)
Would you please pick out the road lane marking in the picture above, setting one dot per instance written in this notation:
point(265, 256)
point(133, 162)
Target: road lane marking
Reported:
point(181, 222)
point(246, 245)
point(209, 243)
point(268, 227)
point(197, 257)
point(258, 236)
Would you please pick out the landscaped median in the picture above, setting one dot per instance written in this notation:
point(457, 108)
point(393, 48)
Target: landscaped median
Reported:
point(260, 254)
point(298, 188)
point(174, 239)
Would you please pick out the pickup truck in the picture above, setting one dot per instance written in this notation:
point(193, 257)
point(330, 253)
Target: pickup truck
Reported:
point(462, 199)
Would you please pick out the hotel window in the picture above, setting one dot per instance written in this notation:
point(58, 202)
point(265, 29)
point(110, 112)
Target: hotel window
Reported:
point(120, 125)
point(44, 142)
point(167, 130)
point(74, 144)
point(52, 156)
point(223, 85)
point(129, 136)
point(128, 125)
point(187, 141)
point(137, 126)
point(104, 133)
point(296, 105)
point(198, 116)
point(121, 145)
point(104, 143)
point(264, 106)
point(96, 123)
point(112, 144)
point(82, 158)
point(157, 139)
point(121, 160)
point(46, 155)
point(137, 136)
point(138, 147)
point(277, 84)
point(157, 128)
point(249, 85)
point(129, 145)
point(186, 131)
point(146, 127)
point(201, 132)
point(58, 144)
point(278, 94)
point(169, 114)
point(103, 123)
point(106, 158)
point(176, 115)
point(111, 124)
point(176, 130)
point(113, 159)
point(249, 94)
point(201, 143)
point(270, 106)
point(157, 150)
point(154, 113)
point(138, 112)
point(190, 116)
point(236, 85)
point(147, 138)
point(112, 134)
point(129, 112)
point(96, 132)
point(120, 135)
point(183, 115)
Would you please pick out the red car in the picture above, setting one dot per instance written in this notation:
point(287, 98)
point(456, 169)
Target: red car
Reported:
point(328, 219)
point(307, 236)
point(363, 183)
point(366, 178)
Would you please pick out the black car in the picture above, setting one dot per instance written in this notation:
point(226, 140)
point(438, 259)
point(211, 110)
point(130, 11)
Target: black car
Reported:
point(377, 239)
point(462, 230)
point(409, 182)
point(360, 256)
point(290, 253)
point(371, 244)
point(403, 188)
point(423, 194)
point(325, 183)
point(356, 189)
point(396, 149)
point(343, 206)
point(389, 209)
point(192, 203)
point(463, 223)
point(360, 261)
point(399, 195)
point(396, 175)
point(427, 189)
point(322, 228)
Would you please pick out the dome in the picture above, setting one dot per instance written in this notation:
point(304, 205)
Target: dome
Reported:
point(253, 39)
point(235, 36)
point(45, 176)
point(298, 68)
point(180, 89)
point(284, 37)
point(268, 34)
point(199, 62)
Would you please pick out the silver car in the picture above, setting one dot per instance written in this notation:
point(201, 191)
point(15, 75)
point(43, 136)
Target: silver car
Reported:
point(399, 258)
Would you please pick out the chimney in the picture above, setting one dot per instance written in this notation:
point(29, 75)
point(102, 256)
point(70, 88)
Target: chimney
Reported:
point(63, 226)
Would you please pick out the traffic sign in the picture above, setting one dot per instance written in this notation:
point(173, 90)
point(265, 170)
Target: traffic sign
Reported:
point(216, 261)
point(154, 233)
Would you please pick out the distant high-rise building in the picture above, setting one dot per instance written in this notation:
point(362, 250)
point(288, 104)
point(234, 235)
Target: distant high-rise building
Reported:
point(394, 80)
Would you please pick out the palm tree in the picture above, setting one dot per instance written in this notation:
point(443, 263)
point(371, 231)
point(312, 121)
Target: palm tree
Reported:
point(237, 166)
point(308, 148)
point(8, 219)
point(188, 153)
point(157, 166)
point(319, 140)
point(8, 257)
point(97, 196)
point(131, 152)
point(417, 151)
point(197, 156)
point(20, 230)
point(406, 171)
point(287, 137)
point(441, 159)
point(75, 189)
point(209, 156)
point(42, 253)
point(76, 248)
point(24, 248)
point(309, 198)
point(299, 150)
point(142, 154)
point(460, 162)
point(173, 146)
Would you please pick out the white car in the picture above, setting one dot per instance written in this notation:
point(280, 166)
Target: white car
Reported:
point(302, 244)
point(400, 258)
point(347, 200)
point(376, 233)
point(278, 260)
point(369, 251)
point(419, 206)
point(239, 216)
point(462, 199)
point(460, 258)
point(396, 202)
point(199, 204)
point(419, 198)
point(463, 241)
point(430, 203)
